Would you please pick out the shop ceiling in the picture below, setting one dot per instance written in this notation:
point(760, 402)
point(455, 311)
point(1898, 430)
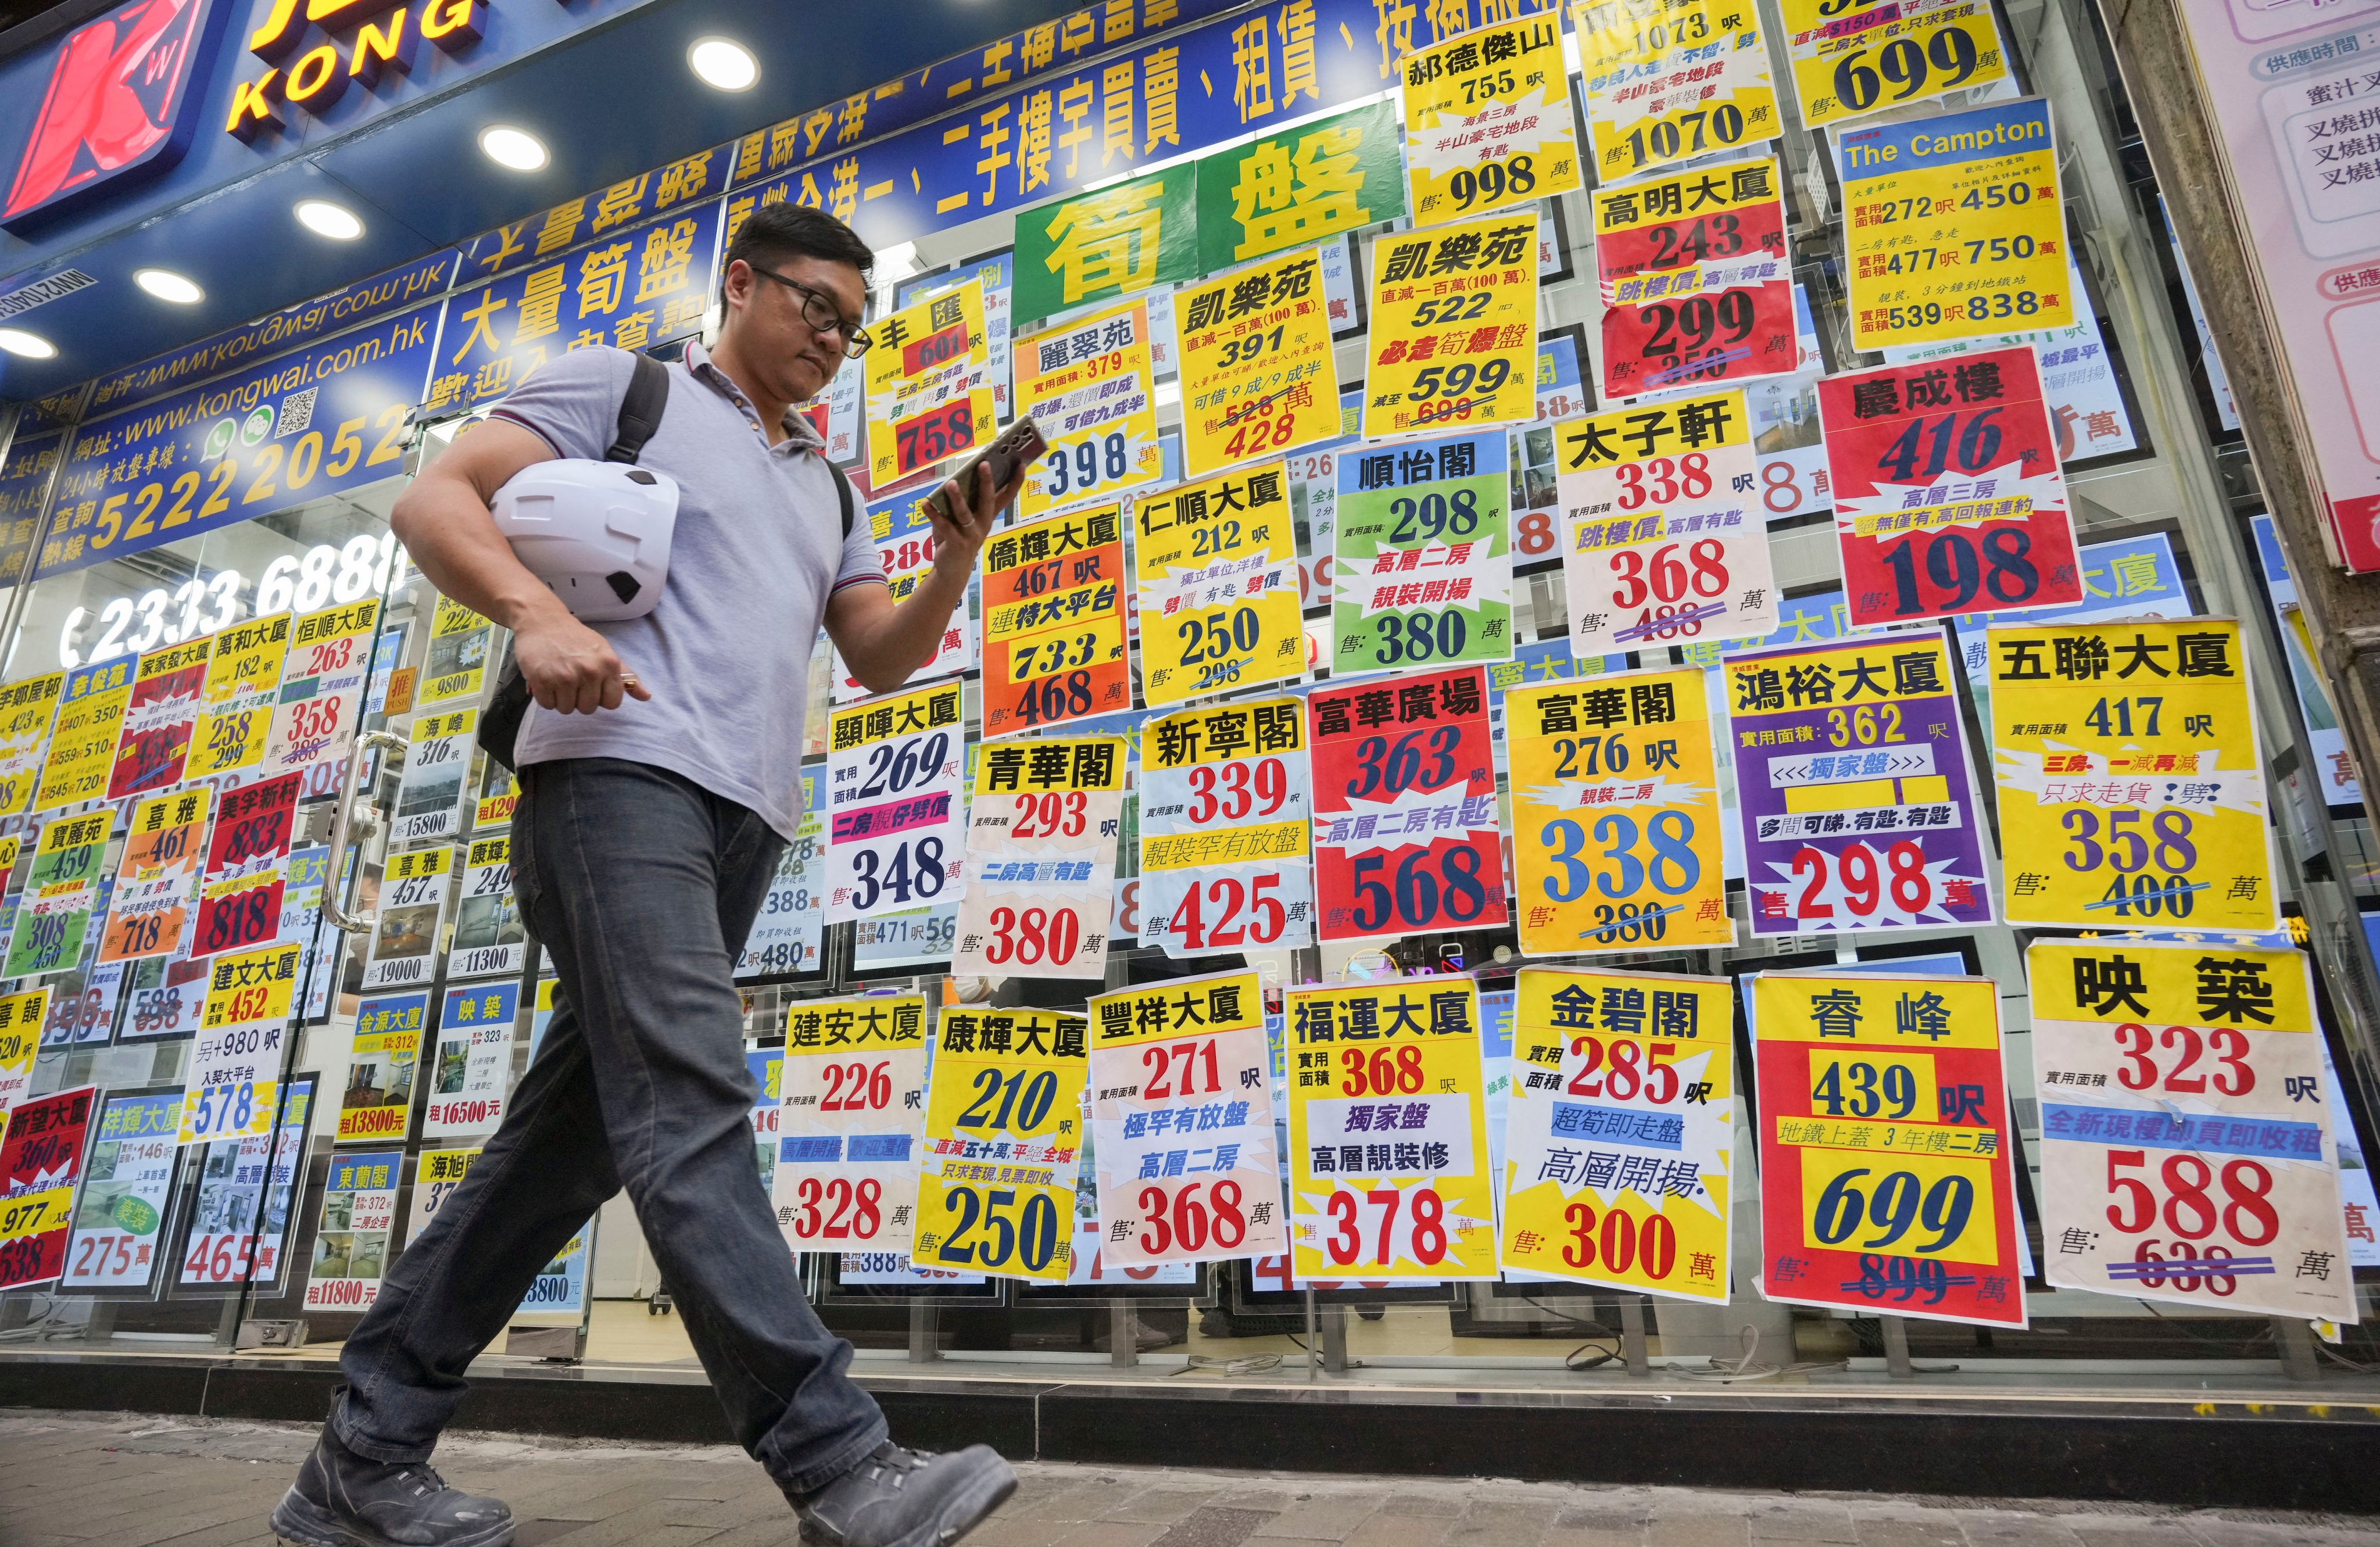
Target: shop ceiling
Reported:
point(604, 84)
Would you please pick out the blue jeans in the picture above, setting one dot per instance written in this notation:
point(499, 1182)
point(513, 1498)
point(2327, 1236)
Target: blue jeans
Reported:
point(641, 886)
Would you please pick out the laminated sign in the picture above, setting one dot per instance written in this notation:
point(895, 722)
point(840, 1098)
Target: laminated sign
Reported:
point(1853, 788)
point(1696, 278)
point(1053, 623)
point(1487, 120)
point(40, 1161)
point(1866, 56)
point(1615, 815)
point(1425, 551)
point(1041, 850)
point(27, 707)
point(1216, 562)
point(851, 1120)
point(1226, 826)
point(81, 756)
point(247, 867)
point(412, 902)
point(1003, 1142)
point(1454, 328)
point(356, 1233)
point(321, 687)
point(378, 1103)
point(1087, 383)
point(1671, 80)
point(1258, 377)
point(489, 940)
point(236, 707)
point(155, 747)
point(246, 1188)
point(1406, 838)
point(21, 1018)
point(456, 667)
point(157, 876)
point(55, 907)
point(929, 385)
point(235, 1071)
point(2186, 1147)
point(1181, 1123)
point(119, 1214)
point(904, 542)
point(1663, 541)
point(1620, 1139)
point(1388, 1133)
point(1949, 496)
point(430, 796)
point(1885, 1180)
point(896, 837)
point(471, 1070)
point(2131, 774)
point(791, 926)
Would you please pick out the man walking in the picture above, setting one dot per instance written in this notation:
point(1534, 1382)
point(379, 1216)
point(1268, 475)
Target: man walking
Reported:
point(660, 772)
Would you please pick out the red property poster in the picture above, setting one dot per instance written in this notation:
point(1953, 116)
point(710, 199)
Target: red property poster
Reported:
point(1405, 837)
point(247, 855)
point(1695, 274)
point(38, 1165)
point(1949, 500)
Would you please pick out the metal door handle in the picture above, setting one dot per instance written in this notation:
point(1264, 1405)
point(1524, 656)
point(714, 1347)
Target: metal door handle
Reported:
point(340, 919)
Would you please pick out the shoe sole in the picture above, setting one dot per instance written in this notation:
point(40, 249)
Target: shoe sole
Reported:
point(963, 1512)
point(299, 1519)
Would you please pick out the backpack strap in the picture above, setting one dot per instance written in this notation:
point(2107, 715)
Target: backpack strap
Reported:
point(640, 409)
point(843, 488)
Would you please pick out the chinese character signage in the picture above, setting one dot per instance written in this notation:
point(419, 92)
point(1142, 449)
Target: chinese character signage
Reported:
point(1664, 543)
point(1225, 828)
point(1405, 832)
point(236, 1060)
point(1949, 497)
point(489, 940)
point(246, 1192)
point(155, 744)
point(2186, 1149)
point(243, 682)
point(321, 687)
point(1615, 815)
point(1619, 1144)
point(1487, 120)
point(246, 879)
point(387, 1047)
point(157, 876)
point(22, 1019)
point(896, 838)
point(1054, 633)
point(1294, 186)
point(353, 1241)
point(1003, 1142)
point(904, 530)
point(929, 385)
point(1853, 789)
point(1696, 279)
point(1670, 80)
point(997, 274)
point(1133, 237)
point(1216, 565)
point(1454, 327)
point(1389, 1172)
point(1258, 372)
point(55, 907)
point(1041, 851)
point(26, 706)
point(82, 744)
point(412, 902)
point(852, 1119)
point(1424, 551)
point(1885, 1179)
point(1868, 55)
point(119, 1211)
point(471, 1072)
point(40, 1160)
point(1086, 384)
point(2131, 782)
point(456, 667)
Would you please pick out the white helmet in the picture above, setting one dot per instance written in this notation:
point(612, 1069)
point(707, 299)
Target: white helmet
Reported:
point(597, 532)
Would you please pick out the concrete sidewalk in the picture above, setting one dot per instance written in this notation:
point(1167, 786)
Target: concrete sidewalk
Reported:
point(86, 1480)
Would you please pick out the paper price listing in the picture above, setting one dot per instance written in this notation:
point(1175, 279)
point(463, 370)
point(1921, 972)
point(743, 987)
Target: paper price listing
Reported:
point(1425, 551)
point(27, 707)
point(356, 1233)
point(157, 876)
point(120, 1211)
point(851, 1124)
point(1696, 279)
point(471, 1072)
point(896, 838)
point(904, 542)
point(412, 904)
point(1454, 328)
point(791, 926)
point(1953, 226)
point(55, 907)
point(1004, 1134)
point(489, 938)
point(41, 1160)
point(1615, 815)
point(1406, 837)
point(239, 1190)
point(2186, 1148)
point(322, 686)
point(243, 680)
point(1866, 56)
point(455, 670)
point(1217, 566)
point(1885, 1180)
point(929, 385)
point(1663, 541)
point(1488, 122)
point(1040, 887)
point(1671, 80)
point(1388, 1132)
point(1087, 383)
point(437, 1174)
point(21, 1017)
point(1181, 1123)
point(2130, 776)
point(1256, 363)
point(236, 1060)
point(81, 754)
point(1619, 1142)
point(247, 867)
point(387, 1048)
point(430, 797)
point(1949, 496)
point(156, 745)
point(1053, 623)
point(1226, 824)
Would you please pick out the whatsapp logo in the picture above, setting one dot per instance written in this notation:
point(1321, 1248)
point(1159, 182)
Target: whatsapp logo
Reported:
point(219, 438)
point(257, 426)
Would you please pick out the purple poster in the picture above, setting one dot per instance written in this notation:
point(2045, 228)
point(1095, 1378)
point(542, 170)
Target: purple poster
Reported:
point(1852, 786)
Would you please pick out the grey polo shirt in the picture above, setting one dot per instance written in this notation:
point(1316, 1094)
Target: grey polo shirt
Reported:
point(758, 551)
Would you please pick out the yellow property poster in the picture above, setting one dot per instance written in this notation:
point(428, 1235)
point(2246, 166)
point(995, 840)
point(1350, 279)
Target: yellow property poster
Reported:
point(26, 709)
point(82, 743)
point(1086, 384)
point(1670, 80)
point(1454, 328)
point(2131, 784)
point(1854, 56)
point(929, 385)
point(1488, 122)
point(1216, 562)
point(1256, 373)
point(1004, 1142)
point(235, 709)
point(1620, 1140)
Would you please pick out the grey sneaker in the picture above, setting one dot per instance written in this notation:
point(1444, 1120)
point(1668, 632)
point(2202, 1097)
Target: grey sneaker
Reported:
point(907, 1498)
point(344, 1500)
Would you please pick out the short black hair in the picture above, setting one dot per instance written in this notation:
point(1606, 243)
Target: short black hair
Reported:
point(773, 233)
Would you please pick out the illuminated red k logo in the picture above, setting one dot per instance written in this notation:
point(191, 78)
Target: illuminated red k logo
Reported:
point(115, 91)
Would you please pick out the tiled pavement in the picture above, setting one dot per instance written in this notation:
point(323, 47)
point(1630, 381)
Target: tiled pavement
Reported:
point(81, 1479)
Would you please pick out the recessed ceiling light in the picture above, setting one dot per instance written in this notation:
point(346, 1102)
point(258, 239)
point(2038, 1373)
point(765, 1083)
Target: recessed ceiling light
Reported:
point(516, 149)
point(723, 64)
point(167, 285)
point(326, 219)
point(33, 346)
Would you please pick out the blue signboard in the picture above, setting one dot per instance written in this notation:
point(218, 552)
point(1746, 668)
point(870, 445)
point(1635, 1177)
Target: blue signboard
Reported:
point(24, 478)
point(317, 422)
point(595, 216)
point(631, 289)
point(2137, 577)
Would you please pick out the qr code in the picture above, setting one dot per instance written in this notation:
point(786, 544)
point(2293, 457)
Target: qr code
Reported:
point(296, 413)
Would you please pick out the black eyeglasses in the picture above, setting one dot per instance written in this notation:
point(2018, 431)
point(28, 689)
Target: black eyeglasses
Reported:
point(821, 314)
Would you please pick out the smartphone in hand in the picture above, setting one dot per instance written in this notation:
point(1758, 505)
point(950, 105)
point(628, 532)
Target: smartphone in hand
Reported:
point(1017, 448)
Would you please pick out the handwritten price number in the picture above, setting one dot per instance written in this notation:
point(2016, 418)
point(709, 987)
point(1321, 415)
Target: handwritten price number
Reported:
point(1186, 1219)
point(1256, 436)
point(253, 837)
point(840, 1198)
point(1425, 1234)
point(1266, 917)
point(1380, 1072)
point(224, 1109)
point(1422, 879)
point(1027, 936)
point(915, 871)
point(1231, 790)
point(218, 1259)
point(1625, 1241)
point(1666, 581)
point(1950, 557)
point(1180, 1060)
point(1033, 1232)
point(1661, 482)
point(1864, 882)
point(1055, 698)
point(2190, 1210)
point(1634, 1068)
point(1534, 537)
point(1871, 1089)
point(871, 1088)
point(933, 436)
point(1685, 339)
point(243, 918)
point(2167, 842)
point(1899, 1202)
point(1209, 643)
point(1685, 134)
point(1080, 474)
point(1493, 181)
point(1039, 1093)
point(2139, 1070)
point(1902, 65)
point(1451, 383)
point(910, 554)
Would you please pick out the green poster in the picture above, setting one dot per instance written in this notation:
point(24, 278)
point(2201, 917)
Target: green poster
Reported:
point(1425, 576)
point(54, 909)
point(1114, 242)
point(1300, 186)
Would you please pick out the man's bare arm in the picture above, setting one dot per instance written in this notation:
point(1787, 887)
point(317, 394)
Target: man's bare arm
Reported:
point(883, 642)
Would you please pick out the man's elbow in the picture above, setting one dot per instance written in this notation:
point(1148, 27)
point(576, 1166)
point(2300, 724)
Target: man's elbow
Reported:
point(879, 677)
